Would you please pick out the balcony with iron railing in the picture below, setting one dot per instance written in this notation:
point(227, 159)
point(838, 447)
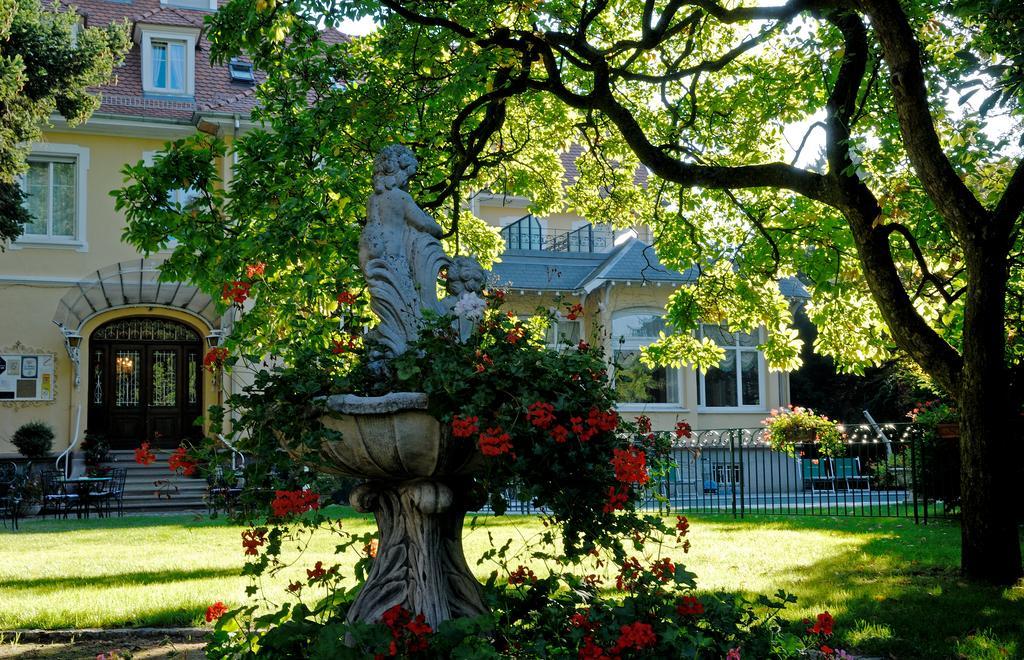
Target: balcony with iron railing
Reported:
point(526, 233)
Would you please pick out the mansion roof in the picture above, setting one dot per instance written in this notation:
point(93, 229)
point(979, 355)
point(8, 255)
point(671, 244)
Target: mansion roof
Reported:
point(633, 261)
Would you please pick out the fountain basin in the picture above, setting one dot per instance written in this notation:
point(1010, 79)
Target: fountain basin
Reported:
point(390, 437)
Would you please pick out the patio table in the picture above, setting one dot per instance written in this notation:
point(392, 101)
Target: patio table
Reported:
point(86, 488)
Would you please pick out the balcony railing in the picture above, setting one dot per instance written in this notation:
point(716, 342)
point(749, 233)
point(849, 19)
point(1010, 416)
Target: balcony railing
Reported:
point(526, 233)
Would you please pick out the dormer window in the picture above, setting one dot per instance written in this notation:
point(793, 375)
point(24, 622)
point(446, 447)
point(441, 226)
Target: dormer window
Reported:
point(241, 71)
point(168, 59)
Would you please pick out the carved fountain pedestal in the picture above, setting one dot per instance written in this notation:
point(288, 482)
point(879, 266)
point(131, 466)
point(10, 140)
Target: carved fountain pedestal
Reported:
point(418, 480)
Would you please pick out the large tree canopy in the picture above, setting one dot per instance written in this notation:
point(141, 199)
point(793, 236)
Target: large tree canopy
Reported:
point(870, 146)
point(47, 65)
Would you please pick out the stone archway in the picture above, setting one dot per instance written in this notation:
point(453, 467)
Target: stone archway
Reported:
point(125, 311)
point(131, 284)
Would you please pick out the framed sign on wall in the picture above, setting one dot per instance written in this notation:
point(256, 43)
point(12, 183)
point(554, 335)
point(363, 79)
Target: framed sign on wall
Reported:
point(26, 375)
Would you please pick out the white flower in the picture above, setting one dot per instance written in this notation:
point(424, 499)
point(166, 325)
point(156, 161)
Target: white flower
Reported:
point(470, 307)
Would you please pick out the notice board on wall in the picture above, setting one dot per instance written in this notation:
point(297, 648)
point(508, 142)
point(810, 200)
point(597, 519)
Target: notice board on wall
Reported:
point(26, 377)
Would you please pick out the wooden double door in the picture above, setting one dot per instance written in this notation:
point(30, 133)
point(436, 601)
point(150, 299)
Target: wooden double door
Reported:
point(145, 382)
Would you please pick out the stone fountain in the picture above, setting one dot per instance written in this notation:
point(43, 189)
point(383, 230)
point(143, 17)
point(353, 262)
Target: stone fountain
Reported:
point(417, 480)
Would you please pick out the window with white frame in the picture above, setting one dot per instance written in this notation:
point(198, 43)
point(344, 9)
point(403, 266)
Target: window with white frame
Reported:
point(54, 187)
point(635, 382)
point(168, 61)
point(738, 380)
point(563, 331)
point(178, 198)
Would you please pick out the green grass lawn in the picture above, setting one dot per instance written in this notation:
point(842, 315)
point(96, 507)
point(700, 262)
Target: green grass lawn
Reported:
point(892, 586)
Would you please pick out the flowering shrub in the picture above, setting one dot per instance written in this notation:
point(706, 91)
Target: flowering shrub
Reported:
point(932, 413)
point(544, 421)
point(636, 606)
point(784, 428)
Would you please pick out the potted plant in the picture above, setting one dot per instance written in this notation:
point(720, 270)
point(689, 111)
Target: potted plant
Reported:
point(97, 452)
point(936, 433)
point(785, 428)
point(34, 440)
point(30, 494)
point(937, 416)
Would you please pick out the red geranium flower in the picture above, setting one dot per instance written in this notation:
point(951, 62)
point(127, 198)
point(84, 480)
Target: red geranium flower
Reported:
point(515, 334)
point(236, 292)
point(143, 456)
point(495, 442)
point(683, 430)
point(663, 569)
point(346, 298)
point(690, 606)
point(560, 434)
point(215, 611)
point(823, 626)
point(616, 501)
point(215, 358)
point(574, 312)
point(255, 269)
point(287, 502)
point(179, 461)
point(338, 347)
point(630, 465)
point(591, 651)
point(637, 636)
point(464, 427)
point(603, 421)
point(540, 414)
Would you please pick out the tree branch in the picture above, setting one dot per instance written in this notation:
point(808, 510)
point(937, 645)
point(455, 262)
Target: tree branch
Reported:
point(1011, 204)
point(926, 274)
point(902, 53)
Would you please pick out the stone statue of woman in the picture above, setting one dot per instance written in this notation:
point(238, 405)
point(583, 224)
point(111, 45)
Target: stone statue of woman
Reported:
point(399, 252)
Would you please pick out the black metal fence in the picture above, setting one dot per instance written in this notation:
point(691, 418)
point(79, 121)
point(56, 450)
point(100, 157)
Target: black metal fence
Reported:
point(894, 470)
point(898, 470)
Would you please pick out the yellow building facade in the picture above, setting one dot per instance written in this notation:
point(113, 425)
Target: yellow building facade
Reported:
point(91, 339)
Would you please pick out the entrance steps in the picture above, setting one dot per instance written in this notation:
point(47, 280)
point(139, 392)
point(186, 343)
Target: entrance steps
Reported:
point(154, 488)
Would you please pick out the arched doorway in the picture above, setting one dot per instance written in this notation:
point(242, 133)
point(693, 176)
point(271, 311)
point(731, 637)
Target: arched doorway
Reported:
point(145, 382)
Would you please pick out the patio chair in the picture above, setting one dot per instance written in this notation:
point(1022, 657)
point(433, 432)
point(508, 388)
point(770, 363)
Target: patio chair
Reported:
point(848, 469)
point(818, 471)
point(9, 499)
point(56, 499)
point(113, 493)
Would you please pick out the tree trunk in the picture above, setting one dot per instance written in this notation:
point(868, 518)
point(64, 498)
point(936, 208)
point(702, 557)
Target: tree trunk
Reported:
point(988, 444)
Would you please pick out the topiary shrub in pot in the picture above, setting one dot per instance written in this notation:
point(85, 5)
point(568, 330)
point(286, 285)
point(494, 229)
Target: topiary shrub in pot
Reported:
point(33, 440)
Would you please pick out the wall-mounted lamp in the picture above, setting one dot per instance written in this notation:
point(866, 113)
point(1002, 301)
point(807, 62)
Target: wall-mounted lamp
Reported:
point(72, 342)
point(213, 339)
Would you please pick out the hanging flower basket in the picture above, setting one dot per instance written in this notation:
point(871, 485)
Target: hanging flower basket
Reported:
point(788, 427)
point(948, 430)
